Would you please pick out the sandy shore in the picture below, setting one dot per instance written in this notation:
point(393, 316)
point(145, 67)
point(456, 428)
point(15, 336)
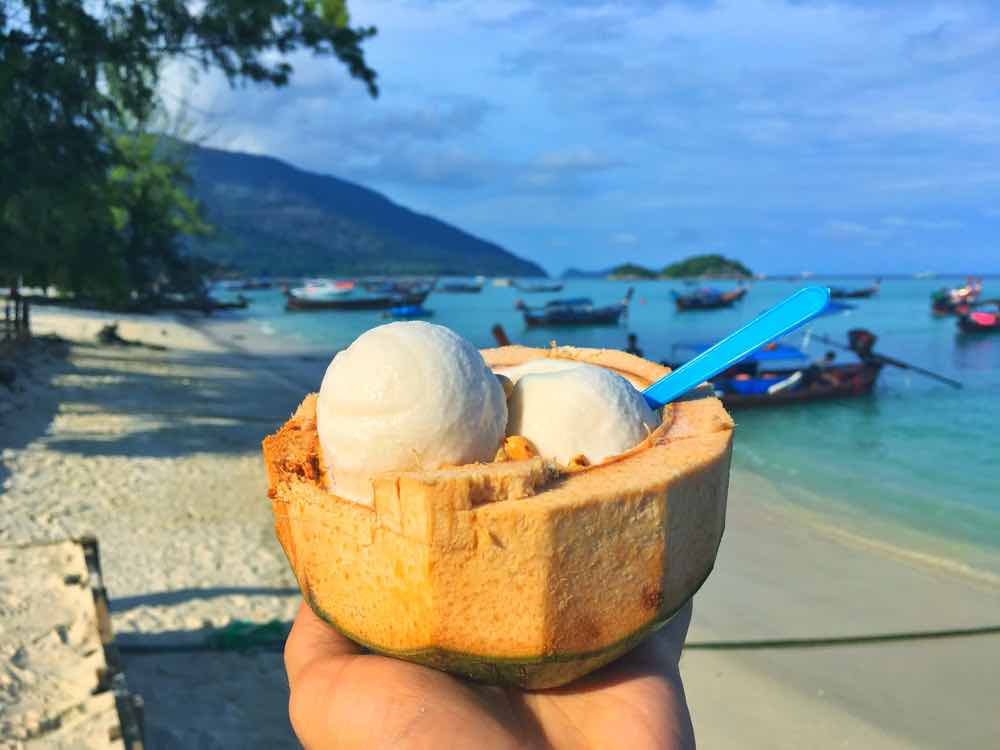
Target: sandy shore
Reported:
point(157, 453)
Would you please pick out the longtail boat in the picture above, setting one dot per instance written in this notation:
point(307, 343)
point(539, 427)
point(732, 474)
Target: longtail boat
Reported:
point(295, 303)
point(461, 287)
point(981, 317)
point(397, 286)
point(201, 303)
point(839, 292)
point(708, 299)
point(536, 288)
point(781, 374)
point(577, 311)
point(956, 301)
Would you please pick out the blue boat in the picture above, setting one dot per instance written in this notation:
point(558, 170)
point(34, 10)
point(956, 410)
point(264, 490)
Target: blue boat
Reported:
point(408, 312)
point(781, 374)
point(833, 308)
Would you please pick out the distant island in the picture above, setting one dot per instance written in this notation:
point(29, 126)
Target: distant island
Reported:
point(707, 265)
point(712, 266)
point(629, 271)
point(271, 218)
point(579, 273)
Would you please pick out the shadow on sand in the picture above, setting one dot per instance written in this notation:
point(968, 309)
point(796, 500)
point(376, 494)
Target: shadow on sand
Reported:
point(178, 402)
point(178, 596)
point(24, 418)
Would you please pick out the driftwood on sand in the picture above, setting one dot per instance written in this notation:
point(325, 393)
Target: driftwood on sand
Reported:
point(109, 335)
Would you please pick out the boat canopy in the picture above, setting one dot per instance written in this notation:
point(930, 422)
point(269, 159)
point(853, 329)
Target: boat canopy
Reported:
point(766, 354)
point(571, 302)
point(833, 307)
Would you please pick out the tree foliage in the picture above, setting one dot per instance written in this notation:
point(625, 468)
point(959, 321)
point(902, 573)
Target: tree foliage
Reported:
point(88, 200)
point(707, 265)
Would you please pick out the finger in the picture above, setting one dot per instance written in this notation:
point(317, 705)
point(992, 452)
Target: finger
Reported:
point(664, 647)
point(657, 655)
point(367, 701)
point(312, 640)
point(674, 633)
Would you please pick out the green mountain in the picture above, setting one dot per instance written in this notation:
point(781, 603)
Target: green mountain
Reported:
point(271, 218)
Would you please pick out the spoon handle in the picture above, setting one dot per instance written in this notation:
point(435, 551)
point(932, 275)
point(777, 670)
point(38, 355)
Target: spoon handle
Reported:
point(772, 324)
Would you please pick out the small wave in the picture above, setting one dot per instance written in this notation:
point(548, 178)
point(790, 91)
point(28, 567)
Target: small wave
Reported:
point(912, 555)
point(828, 517)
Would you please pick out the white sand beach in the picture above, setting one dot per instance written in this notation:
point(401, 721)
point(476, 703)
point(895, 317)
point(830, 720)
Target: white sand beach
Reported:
point(156, 452)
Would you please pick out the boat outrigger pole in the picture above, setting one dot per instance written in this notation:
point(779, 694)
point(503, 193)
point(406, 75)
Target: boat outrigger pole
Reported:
point(863, 350)
point(500, 335)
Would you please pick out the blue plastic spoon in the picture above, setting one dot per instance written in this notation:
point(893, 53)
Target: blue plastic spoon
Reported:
point(772, 324)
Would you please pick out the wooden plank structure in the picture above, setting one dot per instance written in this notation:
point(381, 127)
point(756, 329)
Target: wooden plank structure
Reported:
point(63, 686)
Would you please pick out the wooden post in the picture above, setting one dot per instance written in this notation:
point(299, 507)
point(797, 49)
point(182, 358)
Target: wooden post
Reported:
point(131, 714)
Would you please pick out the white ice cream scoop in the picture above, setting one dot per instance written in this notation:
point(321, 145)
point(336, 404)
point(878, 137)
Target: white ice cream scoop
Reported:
point(516, 372)
point(406, 396)
point(580, 410)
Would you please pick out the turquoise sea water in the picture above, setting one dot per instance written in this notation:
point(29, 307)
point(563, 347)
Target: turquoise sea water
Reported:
point(917, 464)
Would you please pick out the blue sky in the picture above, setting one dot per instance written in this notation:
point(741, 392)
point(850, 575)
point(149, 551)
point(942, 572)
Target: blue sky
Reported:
point(817, 135)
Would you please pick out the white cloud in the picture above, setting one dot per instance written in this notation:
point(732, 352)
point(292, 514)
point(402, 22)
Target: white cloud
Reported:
point(537, 118)
point(842, 229)
point(581, 159)
point(624, 238)
point(900, 222)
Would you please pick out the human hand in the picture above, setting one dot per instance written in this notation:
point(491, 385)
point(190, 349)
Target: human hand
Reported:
point(343, 697)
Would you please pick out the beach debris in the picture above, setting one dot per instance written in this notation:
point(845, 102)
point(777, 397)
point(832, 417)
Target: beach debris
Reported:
point(109, 335)
point(242, 635)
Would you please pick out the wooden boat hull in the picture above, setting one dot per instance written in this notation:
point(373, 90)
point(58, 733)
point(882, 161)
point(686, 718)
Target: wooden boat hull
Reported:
point(686, 303)
point(853, 293)
point(461, 288)
point(855, 380)
point(205, 305)
point(597, 317)
point(944, 310)
point(539, 288)
point(378, 302)
point(967, 324)
point(953, 301)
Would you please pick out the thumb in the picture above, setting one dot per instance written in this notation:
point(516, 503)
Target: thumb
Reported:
point(313, 640)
